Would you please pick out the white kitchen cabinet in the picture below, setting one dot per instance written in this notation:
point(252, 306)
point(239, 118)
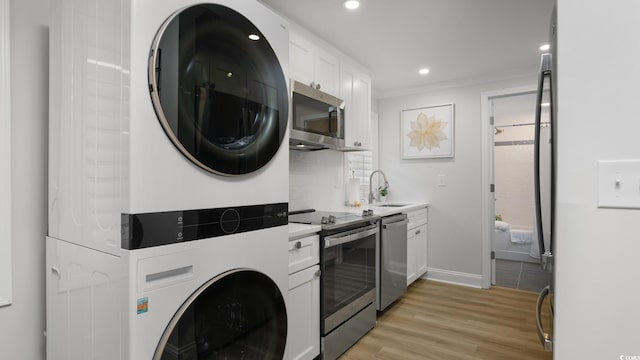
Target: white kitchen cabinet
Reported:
point(310, 64)
point(303, 305)
point(355, 90)
point(417, 245)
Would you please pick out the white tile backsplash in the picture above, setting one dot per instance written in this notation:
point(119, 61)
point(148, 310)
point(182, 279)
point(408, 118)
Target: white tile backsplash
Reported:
point(316, 179)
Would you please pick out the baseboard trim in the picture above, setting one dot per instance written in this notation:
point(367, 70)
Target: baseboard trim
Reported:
point(454, 277)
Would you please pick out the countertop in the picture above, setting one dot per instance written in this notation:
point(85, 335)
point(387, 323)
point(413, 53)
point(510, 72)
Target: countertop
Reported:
point(297, 231)
point(300, 230)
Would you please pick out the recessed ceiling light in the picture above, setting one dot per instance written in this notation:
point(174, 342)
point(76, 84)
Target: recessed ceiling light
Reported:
point(545, 47)
point(352, 4)
point(254, 37)
point(423, 71)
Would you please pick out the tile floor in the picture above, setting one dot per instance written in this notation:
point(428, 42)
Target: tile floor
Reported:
point(521, 275)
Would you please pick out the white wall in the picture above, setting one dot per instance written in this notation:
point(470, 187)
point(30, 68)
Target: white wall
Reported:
point(597, 250)
point(455, 227)
point(22, 324)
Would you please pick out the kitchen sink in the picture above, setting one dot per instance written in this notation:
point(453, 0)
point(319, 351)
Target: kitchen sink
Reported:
point(389, 205)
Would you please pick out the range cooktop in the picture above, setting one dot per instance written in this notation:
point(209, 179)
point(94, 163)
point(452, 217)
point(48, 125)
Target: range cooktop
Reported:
point(330, 220)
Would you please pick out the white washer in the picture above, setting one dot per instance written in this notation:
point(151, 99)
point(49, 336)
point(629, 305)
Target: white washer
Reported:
point(211, 139)
point(101, 306)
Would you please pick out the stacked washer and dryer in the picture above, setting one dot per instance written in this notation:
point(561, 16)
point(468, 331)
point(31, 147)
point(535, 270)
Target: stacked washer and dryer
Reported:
point(168, 184)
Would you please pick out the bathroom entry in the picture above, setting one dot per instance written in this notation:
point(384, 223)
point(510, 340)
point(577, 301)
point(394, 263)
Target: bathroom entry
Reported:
point(514, 246)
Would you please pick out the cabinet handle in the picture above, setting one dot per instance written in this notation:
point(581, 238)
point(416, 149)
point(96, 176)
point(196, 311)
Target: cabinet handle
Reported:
point(418, 232)
point(318, 273)
point(298, 245)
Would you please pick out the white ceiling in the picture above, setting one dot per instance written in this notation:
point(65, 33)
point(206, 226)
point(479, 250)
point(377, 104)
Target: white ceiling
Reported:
point(460, 41)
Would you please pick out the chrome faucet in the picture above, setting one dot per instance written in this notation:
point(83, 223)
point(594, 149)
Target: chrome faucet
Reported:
point(386, 183)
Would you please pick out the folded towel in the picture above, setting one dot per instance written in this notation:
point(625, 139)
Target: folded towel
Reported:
point(502, 226)
point(521, 236)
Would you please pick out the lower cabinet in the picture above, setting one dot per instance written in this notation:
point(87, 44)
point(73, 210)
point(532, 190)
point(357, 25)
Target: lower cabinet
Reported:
point(303, 341)
point(303, 305)
point(417, 245)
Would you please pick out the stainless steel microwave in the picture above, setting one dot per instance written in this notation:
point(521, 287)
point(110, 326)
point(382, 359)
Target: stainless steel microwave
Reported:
point(317, 119)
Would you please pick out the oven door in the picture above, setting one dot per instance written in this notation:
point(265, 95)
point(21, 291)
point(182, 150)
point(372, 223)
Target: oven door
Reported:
point(348, 280)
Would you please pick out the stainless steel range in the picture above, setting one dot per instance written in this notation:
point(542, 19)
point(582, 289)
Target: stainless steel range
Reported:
point(348, 253)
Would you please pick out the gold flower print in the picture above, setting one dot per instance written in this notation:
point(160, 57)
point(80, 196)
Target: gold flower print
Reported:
point(427, 132)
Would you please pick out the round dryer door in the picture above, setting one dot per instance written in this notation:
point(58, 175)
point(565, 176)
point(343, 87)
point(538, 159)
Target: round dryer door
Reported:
point(240, 315)
point(218, 89)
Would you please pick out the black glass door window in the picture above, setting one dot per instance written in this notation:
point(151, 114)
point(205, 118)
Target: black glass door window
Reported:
point(242, 315)
point(348, 274)
point(218, 89)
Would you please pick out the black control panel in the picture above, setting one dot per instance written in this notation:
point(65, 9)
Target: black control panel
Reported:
point(154, 229)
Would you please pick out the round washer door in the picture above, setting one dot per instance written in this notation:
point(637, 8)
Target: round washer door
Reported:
point(218, 89)
point(239, 315)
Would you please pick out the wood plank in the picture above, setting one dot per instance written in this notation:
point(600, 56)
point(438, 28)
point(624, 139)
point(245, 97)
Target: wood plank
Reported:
point(435, 320)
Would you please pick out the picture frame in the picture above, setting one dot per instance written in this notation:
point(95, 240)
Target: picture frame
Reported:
point(427, 132)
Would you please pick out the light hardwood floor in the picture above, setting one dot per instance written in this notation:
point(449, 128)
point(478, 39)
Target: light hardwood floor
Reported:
point(441, 321)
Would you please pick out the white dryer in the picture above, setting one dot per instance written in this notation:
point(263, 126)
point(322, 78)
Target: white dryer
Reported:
point(181, 301)
point(161, 106)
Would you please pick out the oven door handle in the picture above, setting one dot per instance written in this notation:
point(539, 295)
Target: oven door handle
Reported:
point(335, 241)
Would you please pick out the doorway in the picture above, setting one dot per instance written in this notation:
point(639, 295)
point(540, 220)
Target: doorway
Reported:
point(515, 247)
point(509, 238)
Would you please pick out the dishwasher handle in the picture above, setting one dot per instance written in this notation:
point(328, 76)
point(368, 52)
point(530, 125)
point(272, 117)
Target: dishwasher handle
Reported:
point(396, 224)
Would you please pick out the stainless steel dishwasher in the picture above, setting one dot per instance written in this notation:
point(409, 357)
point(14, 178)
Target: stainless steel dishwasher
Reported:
point(391, 277)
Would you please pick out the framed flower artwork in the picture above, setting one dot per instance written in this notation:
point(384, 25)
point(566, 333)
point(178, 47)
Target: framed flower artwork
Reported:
point(427, 132)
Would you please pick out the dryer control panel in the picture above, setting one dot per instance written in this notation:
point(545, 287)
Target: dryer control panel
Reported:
point(163, 228)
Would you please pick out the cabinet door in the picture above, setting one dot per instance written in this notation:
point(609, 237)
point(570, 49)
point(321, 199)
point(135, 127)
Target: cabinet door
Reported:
point(362, 106)
point(303, 317)
point(355, 90)
point(327, 72)
point(412, 239)
point(421, 250)
point(301, 59)
point(347, 77)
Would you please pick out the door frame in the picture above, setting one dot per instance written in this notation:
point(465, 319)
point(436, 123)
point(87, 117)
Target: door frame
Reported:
point(488, 197)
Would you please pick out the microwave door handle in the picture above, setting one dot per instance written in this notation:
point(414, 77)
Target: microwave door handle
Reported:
point(335, 241)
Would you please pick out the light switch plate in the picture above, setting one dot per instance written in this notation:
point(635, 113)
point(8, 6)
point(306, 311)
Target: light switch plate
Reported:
point(619, 184)
point(442, 181)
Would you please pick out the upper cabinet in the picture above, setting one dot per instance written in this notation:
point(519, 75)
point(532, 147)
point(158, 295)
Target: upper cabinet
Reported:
point(355, 90)
point(329, 70)
point(312, 65)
